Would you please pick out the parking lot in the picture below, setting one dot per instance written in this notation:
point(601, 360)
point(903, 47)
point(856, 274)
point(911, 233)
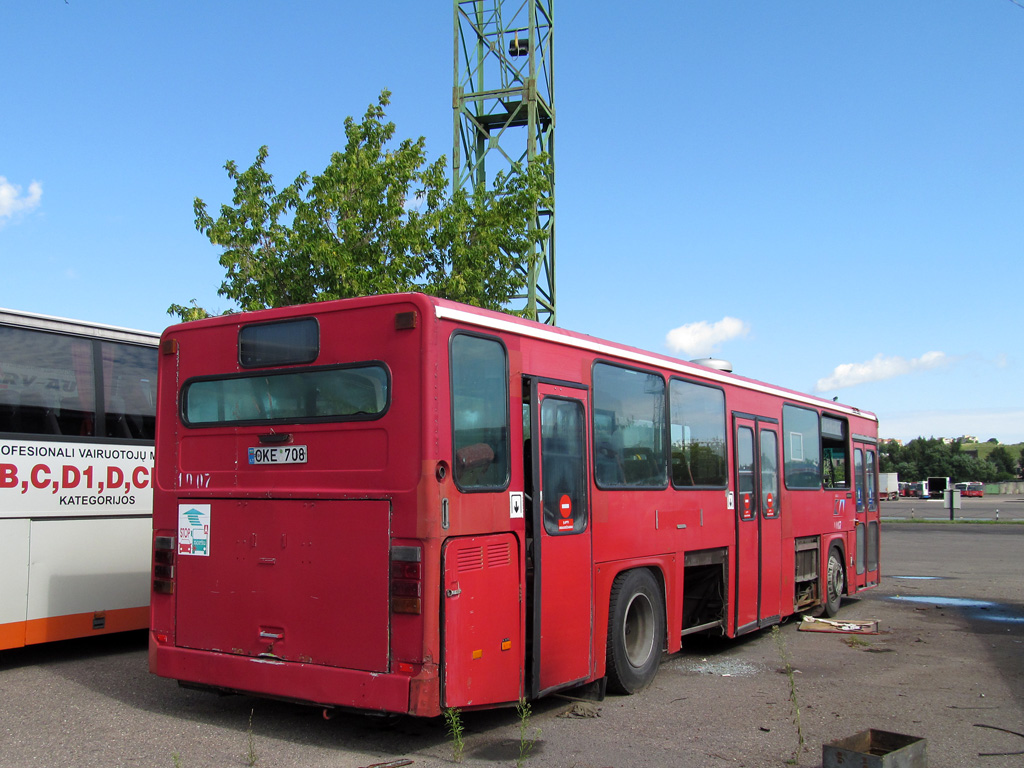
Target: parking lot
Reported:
point(987, 509)
point(947, 666)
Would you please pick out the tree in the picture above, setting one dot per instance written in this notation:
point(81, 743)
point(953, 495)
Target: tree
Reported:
point(923, 458)
point(378, 219)
point(1004, 461)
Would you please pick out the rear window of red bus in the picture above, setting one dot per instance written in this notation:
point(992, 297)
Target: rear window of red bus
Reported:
point(335, 393)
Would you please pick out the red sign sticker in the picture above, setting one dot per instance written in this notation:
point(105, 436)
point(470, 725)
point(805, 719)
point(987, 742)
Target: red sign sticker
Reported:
point(565, 505)
point(565, 508)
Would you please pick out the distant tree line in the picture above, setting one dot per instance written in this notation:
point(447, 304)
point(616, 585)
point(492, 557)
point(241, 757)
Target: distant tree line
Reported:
point(923, 458)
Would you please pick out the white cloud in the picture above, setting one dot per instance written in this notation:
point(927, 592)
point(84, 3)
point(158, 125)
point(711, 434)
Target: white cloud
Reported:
point(13, 202)
point(701, 339)
point(879, 368)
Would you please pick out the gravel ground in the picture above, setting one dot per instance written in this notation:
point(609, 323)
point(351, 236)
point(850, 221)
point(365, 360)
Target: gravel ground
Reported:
point(937, 670)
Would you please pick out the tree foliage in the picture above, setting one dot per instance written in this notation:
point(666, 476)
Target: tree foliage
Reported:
point(923, 458)
point(378, 219)
point(1003, 459)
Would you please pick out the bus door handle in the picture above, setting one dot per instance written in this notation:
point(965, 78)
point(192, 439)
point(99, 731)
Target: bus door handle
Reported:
point(271, 633)
point(452, 592)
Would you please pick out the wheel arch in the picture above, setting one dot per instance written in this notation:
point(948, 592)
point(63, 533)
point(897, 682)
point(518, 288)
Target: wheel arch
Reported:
point(837, 543)
point(831, 600)
point(664, 572)
point(637, 630)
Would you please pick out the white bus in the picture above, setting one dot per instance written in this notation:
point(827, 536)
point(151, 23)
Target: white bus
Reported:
point(77, 413)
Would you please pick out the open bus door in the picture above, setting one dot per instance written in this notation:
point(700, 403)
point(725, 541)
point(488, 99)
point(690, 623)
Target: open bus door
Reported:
point(561, 610)
point(866, 537)
point(758, 581)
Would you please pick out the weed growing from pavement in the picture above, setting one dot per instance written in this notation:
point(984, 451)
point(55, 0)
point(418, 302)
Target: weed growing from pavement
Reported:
point(453, 717)
point(526, 741)
point(780, 645)
point(251, 757)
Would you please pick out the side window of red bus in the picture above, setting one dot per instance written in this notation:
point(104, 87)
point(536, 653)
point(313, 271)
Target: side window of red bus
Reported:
point(629, 428)
point(745, 473)
point(769, 473)
point(871, 481)
point(858, 474)
point(801, 447)
point(834, 452)
point(564, 469)
point(697, 435)
point(480, 413)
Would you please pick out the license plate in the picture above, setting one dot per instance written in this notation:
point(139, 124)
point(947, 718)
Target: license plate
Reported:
point(284, 454)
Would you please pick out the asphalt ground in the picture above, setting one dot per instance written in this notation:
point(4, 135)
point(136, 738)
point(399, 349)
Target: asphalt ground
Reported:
point(947, 666)
point(986, 509)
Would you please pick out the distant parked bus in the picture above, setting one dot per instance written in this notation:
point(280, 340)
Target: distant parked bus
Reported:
point(77, 413)
point(402, 504)
point(918, 490)
point(936, 487)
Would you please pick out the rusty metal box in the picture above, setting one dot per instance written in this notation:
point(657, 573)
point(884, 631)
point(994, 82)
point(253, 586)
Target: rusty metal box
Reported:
point(875, 749)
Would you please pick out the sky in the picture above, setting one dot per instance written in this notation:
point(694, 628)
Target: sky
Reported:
point(830, 195)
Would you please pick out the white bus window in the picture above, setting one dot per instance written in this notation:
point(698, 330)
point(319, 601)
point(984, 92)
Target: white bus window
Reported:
point(47, 383)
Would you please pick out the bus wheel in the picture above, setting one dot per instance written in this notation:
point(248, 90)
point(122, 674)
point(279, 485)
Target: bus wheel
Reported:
point(834, 581)
point(636, 628)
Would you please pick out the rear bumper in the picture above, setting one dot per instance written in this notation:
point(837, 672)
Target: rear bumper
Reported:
point(308, 683)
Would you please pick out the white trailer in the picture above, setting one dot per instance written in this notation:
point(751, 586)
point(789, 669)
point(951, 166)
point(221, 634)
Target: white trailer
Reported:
point(889, 486)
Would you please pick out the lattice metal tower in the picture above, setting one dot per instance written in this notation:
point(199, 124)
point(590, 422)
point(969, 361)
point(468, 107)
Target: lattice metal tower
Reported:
point(505, 112)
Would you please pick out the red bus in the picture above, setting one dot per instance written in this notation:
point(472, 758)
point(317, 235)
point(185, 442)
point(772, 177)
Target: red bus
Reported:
point(402, 504)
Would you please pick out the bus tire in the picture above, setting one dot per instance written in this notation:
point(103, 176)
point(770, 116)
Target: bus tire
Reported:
point(835, 580)
point(636, 630)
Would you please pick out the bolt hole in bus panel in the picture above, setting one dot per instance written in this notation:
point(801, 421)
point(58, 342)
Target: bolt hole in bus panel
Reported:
point(296, 580)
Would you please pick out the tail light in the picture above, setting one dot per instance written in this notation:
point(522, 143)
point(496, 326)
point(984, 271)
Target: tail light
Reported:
point(406, 579)
point(163, 565)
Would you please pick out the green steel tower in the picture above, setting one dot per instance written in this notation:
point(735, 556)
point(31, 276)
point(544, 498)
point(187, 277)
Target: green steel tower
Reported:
point(505, 112)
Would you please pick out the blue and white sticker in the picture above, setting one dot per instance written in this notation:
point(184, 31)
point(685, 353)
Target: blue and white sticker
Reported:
point(194, 529)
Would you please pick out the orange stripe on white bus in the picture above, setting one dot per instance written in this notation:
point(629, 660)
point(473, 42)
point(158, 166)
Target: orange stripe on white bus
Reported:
point(19, 633)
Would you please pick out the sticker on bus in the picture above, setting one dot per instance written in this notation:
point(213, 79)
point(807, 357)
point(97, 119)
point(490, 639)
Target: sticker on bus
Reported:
point(194, 529)
point(285, 454)
point(566, 522)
